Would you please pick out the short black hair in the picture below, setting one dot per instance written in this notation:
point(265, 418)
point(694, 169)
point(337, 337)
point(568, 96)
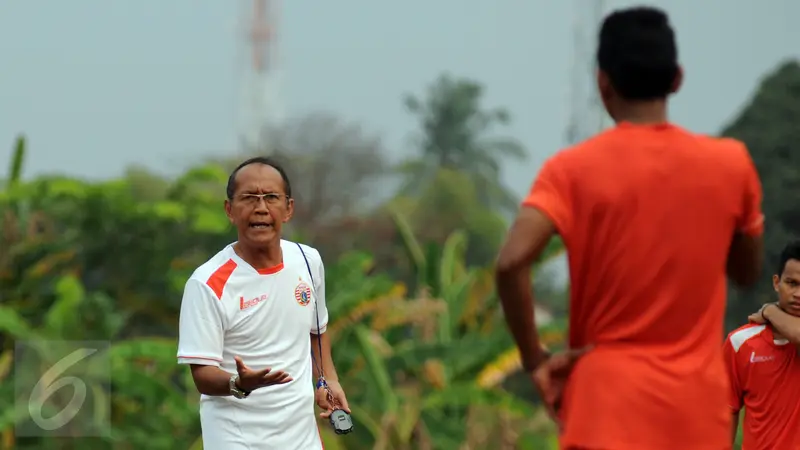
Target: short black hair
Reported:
point(791, 251)
point(265, 160)
point(637, 51)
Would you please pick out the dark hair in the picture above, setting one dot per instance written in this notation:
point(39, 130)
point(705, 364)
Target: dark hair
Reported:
point(791, 251)
point(637, 51)
point(231, 188)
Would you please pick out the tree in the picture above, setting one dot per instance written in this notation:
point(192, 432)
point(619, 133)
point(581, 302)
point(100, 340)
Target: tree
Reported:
point(451, 201)
point(455, 135)
point(768, 125)
point(337, 172)
point(137, 252)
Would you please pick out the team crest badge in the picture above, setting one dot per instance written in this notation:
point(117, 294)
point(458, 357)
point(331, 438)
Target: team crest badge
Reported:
point(302, 293)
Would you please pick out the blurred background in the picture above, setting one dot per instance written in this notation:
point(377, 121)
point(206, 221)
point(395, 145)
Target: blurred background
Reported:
point(411, 130)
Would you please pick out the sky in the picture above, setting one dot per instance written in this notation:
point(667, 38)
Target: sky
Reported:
point(98, 85)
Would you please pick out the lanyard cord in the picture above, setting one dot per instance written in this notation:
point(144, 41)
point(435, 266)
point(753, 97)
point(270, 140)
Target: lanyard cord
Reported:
point(321, 382)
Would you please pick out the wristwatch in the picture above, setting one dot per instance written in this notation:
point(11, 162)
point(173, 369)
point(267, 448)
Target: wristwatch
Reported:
point(235, 391)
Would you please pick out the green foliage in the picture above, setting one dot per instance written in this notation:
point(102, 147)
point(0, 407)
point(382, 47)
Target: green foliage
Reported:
point(17, 159)
point(450, 201)
point(768, 125)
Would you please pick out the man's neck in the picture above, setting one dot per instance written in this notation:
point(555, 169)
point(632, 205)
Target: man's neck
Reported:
point(260, 258)
point(649, 112)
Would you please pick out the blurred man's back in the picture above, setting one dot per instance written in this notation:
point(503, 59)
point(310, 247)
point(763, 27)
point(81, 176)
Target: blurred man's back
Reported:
point(653, 217)
point(652, 212)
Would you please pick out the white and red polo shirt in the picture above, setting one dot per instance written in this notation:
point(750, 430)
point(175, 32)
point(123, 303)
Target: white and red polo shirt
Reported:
point(264, 316)
point(764, 376)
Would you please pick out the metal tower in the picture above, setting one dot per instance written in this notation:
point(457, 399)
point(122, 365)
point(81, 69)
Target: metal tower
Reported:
point(260, 108)
point(587, 115)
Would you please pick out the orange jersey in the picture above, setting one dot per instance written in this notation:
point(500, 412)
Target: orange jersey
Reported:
point(647, 213)
point(765, 380)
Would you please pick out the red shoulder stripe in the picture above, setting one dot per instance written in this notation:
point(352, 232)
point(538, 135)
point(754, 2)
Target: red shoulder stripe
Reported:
point(220, 277)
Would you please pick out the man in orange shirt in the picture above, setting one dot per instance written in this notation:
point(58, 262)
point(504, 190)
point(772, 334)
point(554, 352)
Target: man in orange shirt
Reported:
point(764, 365)
point(652, 217)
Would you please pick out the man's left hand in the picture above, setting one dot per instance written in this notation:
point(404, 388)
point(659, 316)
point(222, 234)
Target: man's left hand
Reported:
point(336, 391)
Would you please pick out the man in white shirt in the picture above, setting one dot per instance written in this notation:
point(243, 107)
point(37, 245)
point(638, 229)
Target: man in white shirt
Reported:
point(252, 325)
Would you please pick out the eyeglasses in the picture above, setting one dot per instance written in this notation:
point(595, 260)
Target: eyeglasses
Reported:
point(252, 199)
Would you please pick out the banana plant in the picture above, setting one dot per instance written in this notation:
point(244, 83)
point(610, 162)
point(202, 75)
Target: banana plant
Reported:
point(141, 372)
point(16, 163)
point(462, 341)
point(364, 309)
point(552, 334)
point(13, 220)
point(473, 312)
point(388, 387)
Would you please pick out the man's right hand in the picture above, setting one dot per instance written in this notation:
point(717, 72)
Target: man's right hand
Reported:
point(250, 380)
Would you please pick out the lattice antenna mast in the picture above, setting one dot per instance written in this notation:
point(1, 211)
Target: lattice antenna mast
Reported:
point(260, 93)
point(587, 114)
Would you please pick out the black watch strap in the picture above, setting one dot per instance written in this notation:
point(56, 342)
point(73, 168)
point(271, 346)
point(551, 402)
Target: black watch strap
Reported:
point(764, 308)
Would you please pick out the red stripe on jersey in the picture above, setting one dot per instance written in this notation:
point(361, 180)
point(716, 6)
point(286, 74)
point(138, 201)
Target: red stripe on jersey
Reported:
point(220, 277)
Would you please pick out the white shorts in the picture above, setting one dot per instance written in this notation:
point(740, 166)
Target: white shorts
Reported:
point(231, 424)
